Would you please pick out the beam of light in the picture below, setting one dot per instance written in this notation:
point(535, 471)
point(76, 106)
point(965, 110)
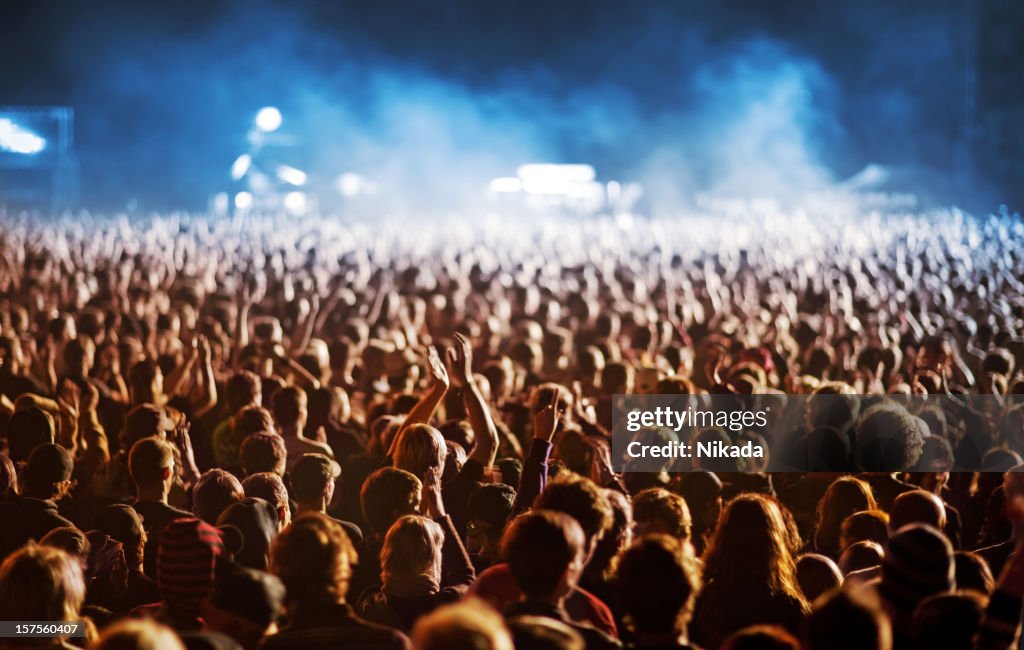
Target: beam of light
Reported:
point(291, 175)
point(243, 201)
point(15, 139)
point(295, 202)
point(268, 119)
point(241, 166)
point(506, 185)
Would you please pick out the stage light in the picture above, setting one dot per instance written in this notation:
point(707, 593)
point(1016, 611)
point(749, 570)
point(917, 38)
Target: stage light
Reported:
point(220, 203)
point(243, 201)
point(241, 166)
point(506, 185)
point(291, 175)
point(351, 184)
point(15, 139)
point(295, 202)
point(268, 119)
point(544, 173)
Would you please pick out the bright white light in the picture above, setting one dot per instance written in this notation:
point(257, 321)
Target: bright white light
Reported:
point(16, 139)
point(506, 184)
point(268, 119)
point(351, 184)
point(243, 200)
point(241, 166)
point(550, 173)
point(220, 203)
point(291, 175)
point(295, 202)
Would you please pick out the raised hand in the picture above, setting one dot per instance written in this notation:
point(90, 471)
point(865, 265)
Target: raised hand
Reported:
point(437, 371)
point(432, 503)
point(545, 420)
point(460, 362)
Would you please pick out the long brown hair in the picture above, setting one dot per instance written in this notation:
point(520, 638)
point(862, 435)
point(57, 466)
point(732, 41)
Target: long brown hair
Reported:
point(750, 549)
point(846, 496)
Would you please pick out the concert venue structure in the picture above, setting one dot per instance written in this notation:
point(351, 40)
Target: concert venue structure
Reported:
point(512, 325)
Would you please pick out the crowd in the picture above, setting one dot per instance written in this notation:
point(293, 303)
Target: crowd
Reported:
point(267, 433)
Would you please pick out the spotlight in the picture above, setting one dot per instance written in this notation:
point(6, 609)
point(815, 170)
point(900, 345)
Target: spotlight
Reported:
point(351, 184)
point(268, 119)
point(241, 166)
point(291, 175)
point(16, 139)
point(295, 202)
point(506, 185)
point(243, 200)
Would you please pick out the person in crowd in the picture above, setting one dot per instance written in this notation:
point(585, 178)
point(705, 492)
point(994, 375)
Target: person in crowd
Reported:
point(313, 558)
point(186, 561)
point(41, 583)
point(271, 488)
point(846, 619)
point(152, 467)
point(290, 413)
point(46, 480)
point(263, 452)
point(215, 491)
point(468, 625)
point(138, 634)
point(244, 604)
point(844, 497)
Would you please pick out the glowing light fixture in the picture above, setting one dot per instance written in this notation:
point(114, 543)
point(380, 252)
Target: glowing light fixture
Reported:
point(291, 175)
point(241, 166)
point(243, 201)
point(295, 202)
point(16, 139)
point(268, 119)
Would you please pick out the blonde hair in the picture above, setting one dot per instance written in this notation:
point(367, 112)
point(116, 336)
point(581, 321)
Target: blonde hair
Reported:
point(412, 549)
point(314, 558)
point(468, 624)
point(141, 634)
point(41, 583)
point(419, 448)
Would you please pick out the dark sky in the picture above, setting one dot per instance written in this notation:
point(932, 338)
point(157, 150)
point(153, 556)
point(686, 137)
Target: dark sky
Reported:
point(681, 93)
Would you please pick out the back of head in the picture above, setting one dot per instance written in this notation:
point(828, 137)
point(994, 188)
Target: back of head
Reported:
point(663, 561)
point(844, 620)
point(314, 558)
point(917, 564)
point(251, 420)
point(186, 558)
point(41, 583)
point(420, 448)
point(150, 461)
point(581, 499)
point(263, 452)
point(387, 494)
point(888, 439)
point(973, 572)
point(861, 555)
point(469, 625)
point(656, 510)
point(215, 490)
point(26, 430)
point(916, 507)
point(246, 593)
point(138, 634)
point(542, 633)
point(411, 556)
point(949, 620)
point(48, 473)
point(761, 637)
point(68, 539)
point(256, 520)
point(267, 486)
point(539, 547)
point(866, 525)
point(289, 406)
point(243, 388)
point(817, 574)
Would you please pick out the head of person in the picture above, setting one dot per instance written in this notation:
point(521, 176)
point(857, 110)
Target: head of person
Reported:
point(69, 539)
point(151, 463)
point(256, 521)
point(263, 452)
point(8, 478)
point(817, 574)
point(186, 559)
point(843, 497)
point(420, 447)
point(888, 439)
point(861, 555)
point(761, 637)
point(618, 536)
point(146, 382)
point(313, 558)
point(27, 429)
point(918, 563)
point(387, 495)
point(269, 487)
point(243, 389)
point(703, 493)
point(215, 490)
point(252, 419)
point(244, 603)
point(410, 558)
point(144, 421)
point(543, 633)
point(656, 510)
point(916, 507)
point(751, 548)
point(41, 583)
point(290, 409)
point(546, 552)
point(48, 473)
point(949, 620)
point(121, 523)
point(661, 560)
point(313, 477)
point(138, 634)
point(867, 525)
point(489, 510)
point(584, 501)
point(973, 572)
point(847, 620)
point(468, 625)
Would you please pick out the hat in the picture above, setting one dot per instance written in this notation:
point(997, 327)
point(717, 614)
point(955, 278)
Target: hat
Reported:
point(311, 472)
point(188, 552)
point(247, 593)
point(48, 464)
point(121, 522)
point(918, 563)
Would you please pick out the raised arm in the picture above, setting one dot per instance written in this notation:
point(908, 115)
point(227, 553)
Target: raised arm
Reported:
point(460, 368)
point(535, 467)
point(424, 409)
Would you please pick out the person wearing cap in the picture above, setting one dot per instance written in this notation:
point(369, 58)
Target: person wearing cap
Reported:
point(313, 478)
point(244, 604)
point(45, 480)
point(151, 464)
point(188, 554)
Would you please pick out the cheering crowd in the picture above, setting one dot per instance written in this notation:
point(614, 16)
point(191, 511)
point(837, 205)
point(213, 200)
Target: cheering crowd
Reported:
point(270, 433)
